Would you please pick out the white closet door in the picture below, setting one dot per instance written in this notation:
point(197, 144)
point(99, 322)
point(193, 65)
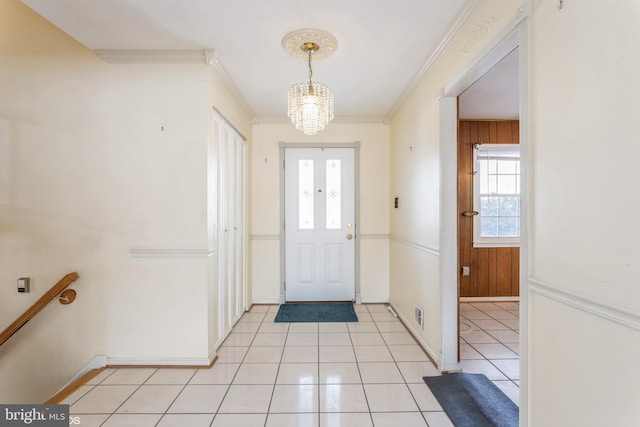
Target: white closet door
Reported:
point(231, 252)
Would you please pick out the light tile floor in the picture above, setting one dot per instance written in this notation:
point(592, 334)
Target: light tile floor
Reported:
point(490, 343)
point(365, 374)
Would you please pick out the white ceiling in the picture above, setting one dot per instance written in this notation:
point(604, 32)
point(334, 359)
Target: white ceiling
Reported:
point(382, 44)
point(496, 94)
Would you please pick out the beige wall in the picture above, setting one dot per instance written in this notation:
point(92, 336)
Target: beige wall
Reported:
point(415, 276)
point(584, 308)
point(103, 171)
point(584, 248)
point(374, 204)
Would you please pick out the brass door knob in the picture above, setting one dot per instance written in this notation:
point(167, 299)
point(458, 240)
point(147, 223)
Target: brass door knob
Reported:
point(349, 236)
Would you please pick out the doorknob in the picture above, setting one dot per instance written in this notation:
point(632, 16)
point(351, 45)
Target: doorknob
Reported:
point(470, 213)
point(349, 236)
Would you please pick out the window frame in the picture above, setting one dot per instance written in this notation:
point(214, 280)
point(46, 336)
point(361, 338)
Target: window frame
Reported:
point(492, 242)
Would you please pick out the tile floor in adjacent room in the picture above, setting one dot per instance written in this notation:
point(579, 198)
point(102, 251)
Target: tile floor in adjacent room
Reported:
point(490, 343)
point(268, 374)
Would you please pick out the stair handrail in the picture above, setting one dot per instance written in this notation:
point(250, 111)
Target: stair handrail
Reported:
point(45, 299)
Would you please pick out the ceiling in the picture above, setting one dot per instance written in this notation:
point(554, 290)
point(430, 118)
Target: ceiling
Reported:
point(496, 94)
point(382, 44)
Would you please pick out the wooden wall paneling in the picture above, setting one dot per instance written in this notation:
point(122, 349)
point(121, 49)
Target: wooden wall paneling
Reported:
point(503, 271)
point(493, 133)
point(493, 271)
point(515, 132)
point(515, 271)
point(464, 226)
point(470, 255)
point(482, 272)
point(504, 134)
point(484, 134)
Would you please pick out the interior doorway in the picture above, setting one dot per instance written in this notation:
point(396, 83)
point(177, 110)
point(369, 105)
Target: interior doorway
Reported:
point(515, 35)
point(488, 158)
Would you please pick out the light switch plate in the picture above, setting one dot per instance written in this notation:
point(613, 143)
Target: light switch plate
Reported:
point(23, 285)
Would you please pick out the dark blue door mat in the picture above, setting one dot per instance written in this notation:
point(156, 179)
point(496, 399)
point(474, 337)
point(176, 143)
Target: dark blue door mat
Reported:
point(472, 400)
point(338, 312)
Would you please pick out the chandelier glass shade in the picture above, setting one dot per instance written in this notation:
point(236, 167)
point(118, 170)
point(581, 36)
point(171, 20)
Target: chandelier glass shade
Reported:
point(310, 104)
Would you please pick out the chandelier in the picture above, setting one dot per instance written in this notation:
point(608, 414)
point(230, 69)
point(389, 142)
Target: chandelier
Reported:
point(310, 104)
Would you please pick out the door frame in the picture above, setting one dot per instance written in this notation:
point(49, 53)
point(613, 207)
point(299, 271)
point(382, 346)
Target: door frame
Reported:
point(356, 176)
point(515, 34)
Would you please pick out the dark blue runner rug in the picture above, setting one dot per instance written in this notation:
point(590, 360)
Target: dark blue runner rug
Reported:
point(316, 313)
point(472, 400)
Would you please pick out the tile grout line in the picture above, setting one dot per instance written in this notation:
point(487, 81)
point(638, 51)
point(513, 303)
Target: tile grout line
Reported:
point(127, 399)
point(252, 345)
point(177, 395)
point(508, 378)
point(93, 387)
point(217, 412)
point(395, 363)
point(353, 348)
point(275, 381)
point(318, 371)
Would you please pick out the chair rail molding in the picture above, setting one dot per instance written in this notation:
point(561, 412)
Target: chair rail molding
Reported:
point(626, 316)
point(264, 236)
point(170, 253)
point(429, 249)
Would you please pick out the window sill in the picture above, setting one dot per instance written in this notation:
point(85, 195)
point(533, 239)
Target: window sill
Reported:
point(496, 244)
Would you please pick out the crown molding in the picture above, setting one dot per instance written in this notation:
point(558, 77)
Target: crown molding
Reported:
point(122, 56)
point(216, 66)
point(454, 31)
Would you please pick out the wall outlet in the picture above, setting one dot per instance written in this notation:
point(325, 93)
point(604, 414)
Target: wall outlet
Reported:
point(419, 316)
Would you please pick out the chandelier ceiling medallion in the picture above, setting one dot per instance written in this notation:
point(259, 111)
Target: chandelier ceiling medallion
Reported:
point(310, 103)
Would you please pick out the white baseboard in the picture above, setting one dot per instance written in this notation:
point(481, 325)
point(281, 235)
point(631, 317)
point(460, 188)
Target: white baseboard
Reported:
point(134, 361)
point(265, 301)
point(358, 301)
point(95, 363)
point(489, 299)
point(375, 301)
point(436, 358)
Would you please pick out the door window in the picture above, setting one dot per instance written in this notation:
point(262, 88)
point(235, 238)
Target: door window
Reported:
point(334, 194)
point(306, 195)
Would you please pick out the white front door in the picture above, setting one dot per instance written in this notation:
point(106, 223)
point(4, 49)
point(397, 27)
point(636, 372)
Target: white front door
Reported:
point(319, 224)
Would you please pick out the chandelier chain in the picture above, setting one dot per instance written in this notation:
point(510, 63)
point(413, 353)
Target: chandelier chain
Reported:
point(310, 104)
